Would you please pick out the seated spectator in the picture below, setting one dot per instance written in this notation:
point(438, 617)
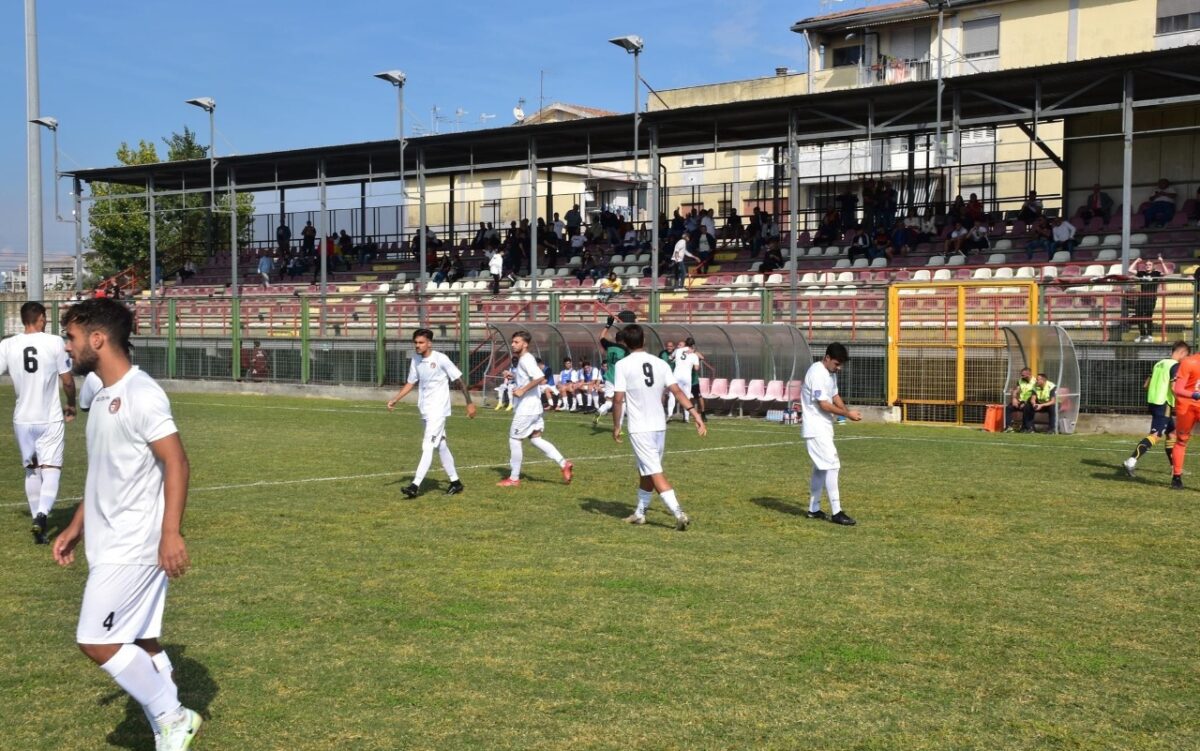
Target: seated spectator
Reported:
point(881, 248)
point(1098, 204)
point(958, 211)
point(254, 363)
point(578, 244)
point(1045, 399)
point(295, 267)
point(828, 230)
point(1195, 215)
point(972, 212)
point(630, 240)
point(733, 226)
point(609, 287)
point(1043, 238)
point(188, 271)
point(976, 240)
point(772, 261)
point(957, 239)
point(1064, 235)
point(902, 239)
point(1031, 209)
point(587, 268)
point(550, 242)
point(431, 238)
point(1022, 395)
point(443, 271)
point(860, 245)
point(1162, 204)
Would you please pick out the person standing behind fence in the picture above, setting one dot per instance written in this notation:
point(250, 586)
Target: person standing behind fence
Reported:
point(1146, 299)
point(1160, 401)
point(820, 402)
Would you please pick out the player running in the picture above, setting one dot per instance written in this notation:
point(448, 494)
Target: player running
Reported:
point(131, 514)
point(436, 374)
point(1160, 400)
point(38, 364)
point(686, 364)
point(640, 382)
point(527, 419)
point(1187, 413)
point(820, 403)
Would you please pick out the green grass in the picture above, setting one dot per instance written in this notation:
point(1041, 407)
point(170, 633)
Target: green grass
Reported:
point(1006, 591)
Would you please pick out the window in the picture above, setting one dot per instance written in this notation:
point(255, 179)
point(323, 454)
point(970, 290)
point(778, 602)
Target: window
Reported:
point(1177, 15)
point(844, 56)
point(981, 37)
point(695, 161)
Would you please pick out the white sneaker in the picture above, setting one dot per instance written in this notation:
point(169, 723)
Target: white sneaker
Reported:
point(178, 732)
point(682, 522)
point(1129, 464)
point(635, 518)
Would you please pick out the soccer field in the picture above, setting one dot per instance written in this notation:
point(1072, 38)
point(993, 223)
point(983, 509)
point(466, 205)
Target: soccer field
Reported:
point(1000, 591)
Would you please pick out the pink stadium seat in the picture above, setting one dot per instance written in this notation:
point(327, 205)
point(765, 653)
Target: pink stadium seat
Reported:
point(755, 390)
point(737, 389)
point(793, 390)
point(719, 389)
point(705, 385)
point(774, 392)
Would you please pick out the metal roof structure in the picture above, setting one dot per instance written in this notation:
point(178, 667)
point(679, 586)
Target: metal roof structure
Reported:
point(1022, 95)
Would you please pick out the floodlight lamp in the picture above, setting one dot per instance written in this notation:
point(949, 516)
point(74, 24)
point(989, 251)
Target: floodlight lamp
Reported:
point(632, 44)
point(938, 4)
point(46, 122)
point(208, 104)
point(394, 77)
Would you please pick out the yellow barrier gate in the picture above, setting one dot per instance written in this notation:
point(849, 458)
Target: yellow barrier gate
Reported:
point(946, 347)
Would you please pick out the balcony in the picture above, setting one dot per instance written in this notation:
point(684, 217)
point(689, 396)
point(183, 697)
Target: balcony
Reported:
point(886, 71)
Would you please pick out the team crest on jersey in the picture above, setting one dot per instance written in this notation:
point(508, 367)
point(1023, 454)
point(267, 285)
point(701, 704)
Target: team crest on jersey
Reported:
point(114, 406)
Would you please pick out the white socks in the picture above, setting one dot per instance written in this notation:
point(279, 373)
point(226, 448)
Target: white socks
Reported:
point(827, 480)
point(33, 489)
point(605, 408)
point(672, 504)
point(670, 405)
point(49, 494)
point(515, 454)
point(447, 460)
point(644, 498)
point(162, 664)
point(134, 671)
point(831, 490)
point(548, 449)
point(423, 465)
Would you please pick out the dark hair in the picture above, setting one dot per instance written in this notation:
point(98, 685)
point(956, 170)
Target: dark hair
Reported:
point(102, 314)
point(837, 351)
point(1181, 344)
point(523, 334)
point(690, 342)
point(427, 333)
point(566, 360)
point(1043, 375)
point(635, 337)
point(620, 336)
point(31, 311)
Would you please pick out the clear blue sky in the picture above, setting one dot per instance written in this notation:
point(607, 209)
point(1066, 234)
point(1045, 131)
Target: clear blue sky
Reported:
point(298, 73)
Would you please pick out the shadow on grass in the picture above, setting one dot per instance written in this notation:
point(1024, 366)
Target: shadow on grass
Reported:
point(197, 689)
point(616, 510)
point(774, 504)
point(1144, 476)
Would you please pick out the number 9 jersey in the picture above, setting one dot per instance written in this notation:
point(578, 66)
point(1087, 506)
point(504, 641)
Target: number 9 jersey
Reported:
point(35, 362)
point(643, 378)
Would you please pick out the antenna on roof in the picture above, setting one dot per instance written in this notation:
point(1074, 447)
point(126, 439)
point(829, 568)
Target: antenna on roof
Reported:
point(519, 111)
point(458, 118)
point(484, 117)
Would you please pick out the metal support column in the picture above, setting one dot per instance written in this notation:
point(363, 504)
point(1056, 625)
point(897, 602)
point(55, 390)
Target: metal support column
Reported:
point(955, 129)
point(451, 224)
point(1126, 169)
point(152, 216)
point(305, 348)
point(380, 339)
point(233, 244)
point(533, 233)
point(940, 152)
point(78, 216)
point(793, 213)
point(422, 241)
point(655, 167)
point(172, 342)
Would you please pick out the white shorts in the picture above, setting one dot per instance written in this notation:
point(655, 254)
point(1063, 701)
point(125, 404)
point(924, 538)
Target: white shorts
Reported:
point(609, 390)
point(524, 426)
point(435, 431)
point(41, 443)
point(823, 453)
point(648, 450)
point(121, 604)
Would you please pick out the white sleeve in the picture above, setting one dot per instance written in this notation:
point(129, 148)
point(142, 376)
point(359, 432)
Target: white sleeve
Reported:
point(665, 372)
point(619, 379)
point(87, 392)
point(63, 359)
point(529, 367)
point(152, 419)
point(412, 370)
point(452, 371)
point(824, 390)
point(4, 357)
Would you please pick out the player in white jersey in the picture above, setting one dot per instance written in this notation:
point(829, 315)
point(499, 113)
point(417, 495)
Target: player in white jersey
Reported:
point(38, 364)
point(639, 384)
point(685, 362)
point(130, 519)
point(527, 419)
point(436, 375)
point(820, 404)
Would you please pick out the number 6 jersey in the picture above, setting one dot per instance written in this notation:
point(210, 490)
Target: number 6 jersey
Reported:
point(35, 362)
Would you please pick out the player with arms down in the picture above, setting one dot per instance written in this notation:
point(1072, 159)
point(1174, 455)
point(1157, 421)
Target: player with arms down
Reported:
point(436, 374)
point(527, 419)
point(130, 519)
point(38, 363)
point(640, 382)
point(821, 403)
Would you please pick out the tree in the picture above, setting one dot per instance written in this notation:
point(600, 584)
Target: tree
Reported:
point(184, 229)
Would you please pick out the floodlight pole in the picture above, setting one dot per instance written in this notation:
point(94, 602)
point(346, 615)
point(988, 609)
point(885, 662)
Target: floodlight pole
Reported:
point(637, 114)
point(940, 151)
point(34, 287)
point(77, 187)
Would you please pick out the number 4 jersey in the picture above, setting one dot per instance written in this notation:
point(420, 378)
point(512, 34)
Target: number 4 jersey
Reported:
point(643, 378)
point(35, 362)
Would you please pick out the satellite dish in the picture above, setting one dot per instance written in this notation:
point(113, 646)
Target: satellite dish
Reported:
point(518, 114)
